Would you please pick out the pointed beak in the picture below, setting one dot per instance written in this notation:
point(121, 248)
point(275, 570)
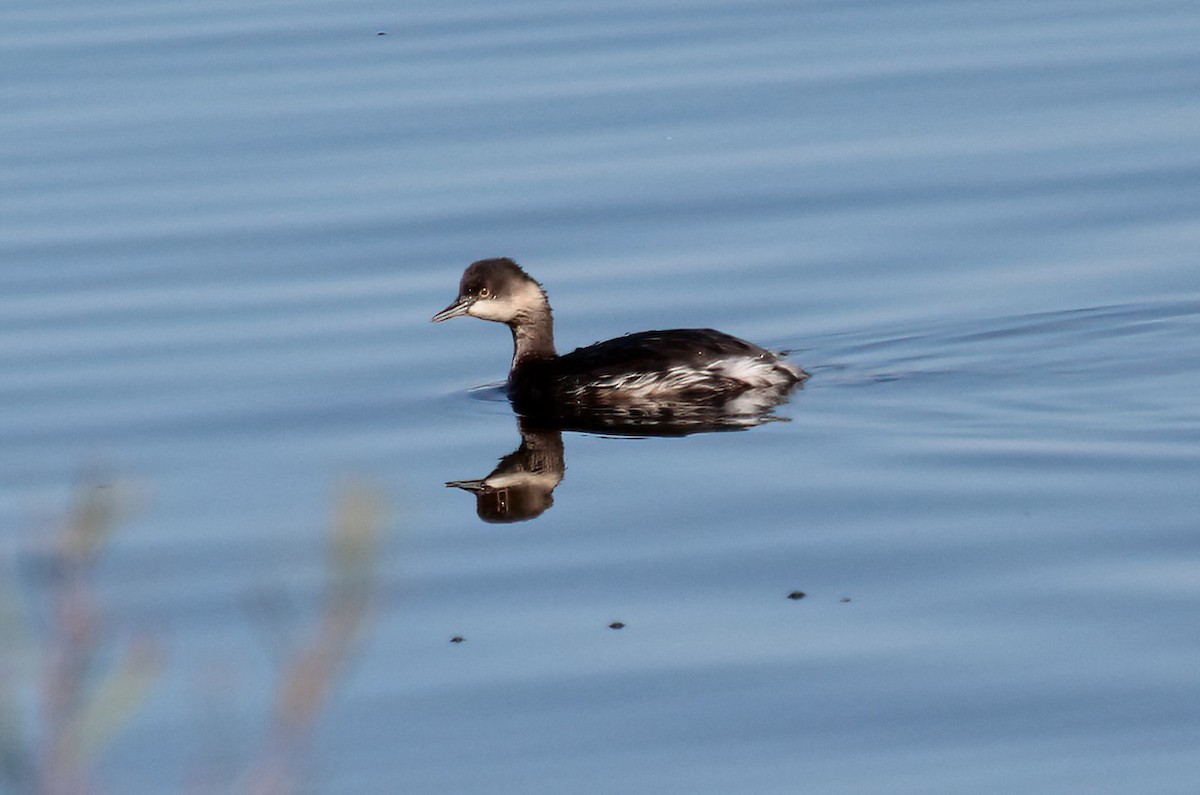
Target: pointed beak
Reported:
point(455, 309)
point(467, 485)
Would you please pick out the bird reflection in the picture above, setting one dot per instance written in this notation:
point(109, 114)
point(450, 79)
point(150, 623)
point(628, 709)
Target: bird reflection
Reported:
point(659, 416)
point(521, 487)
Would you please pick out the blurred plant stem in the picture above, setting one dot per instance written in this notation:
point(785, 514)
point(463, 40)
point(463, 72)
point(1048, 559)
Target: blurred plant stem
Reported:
point(312, 669)
point(83, 700)
point(61, 650)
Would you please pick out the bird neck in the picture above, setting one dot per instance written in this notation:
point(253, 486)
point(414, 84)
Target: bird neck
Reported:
point(533, 336)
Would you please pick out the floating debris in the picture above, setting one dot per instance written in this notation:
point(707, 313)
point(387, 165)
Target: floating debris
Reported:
point(796, 595)
point(457, 639)
point(617, 625)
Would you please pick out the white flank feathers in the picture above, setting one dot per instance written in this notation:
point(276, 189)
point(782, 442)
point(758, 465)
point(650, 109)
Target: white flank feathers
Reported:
point(751, 372)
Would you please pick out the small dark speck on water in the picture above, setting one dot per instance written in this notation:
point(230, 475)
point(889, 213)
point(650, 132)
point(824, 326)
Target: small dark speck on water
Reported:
point(797, 595)
point(457, 639)
point(381, 33)
point(617, 625)
point(844, 599)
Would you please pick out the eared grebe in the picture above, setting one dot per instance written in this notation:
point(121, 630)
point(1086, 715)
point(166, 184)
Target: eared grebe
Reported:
point(685, 365)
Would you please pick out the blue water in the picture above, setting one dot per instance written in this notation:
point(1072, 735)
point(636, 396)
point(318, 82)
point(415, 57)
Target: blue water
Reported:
point(224, 227)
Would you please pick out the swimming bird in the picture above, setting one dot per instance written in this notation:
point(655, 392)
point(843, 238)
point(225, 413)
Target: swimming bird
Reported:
point(696, 365)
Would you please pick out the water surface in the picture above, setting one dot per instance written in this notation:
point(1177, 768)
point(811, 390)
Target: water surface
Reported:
point(223, 229)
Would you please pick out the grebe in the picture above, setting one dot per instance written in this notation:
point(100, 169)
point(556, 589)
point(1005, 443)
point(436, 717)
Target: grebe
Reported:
point(683, 365)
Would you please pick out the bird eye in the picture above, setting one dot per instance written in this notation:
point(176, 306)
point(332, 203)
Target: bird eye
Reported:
point(485, 292)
